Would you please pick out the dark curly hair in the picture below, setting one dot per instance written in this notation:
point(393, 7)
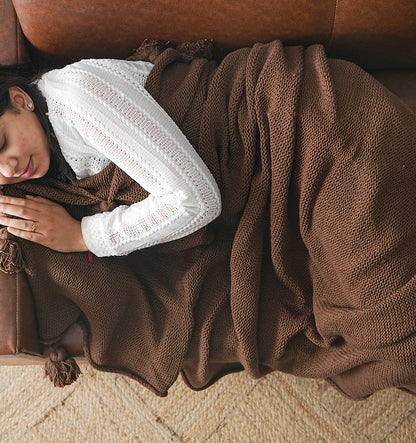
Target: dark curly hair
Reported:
point(25, 78)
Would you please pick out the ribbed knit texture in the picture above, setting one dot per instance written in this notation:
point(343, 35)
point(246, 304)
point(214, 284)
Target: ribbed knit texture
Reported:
point(310, 267)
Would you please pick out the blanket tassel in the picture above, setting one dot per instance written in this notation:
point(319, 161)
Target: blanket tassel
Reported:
point(11, 260)
point(62, 371)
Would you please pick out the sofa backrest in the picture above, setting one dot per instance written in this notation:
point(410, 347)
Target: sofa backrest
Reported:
point(376, 34)
point(12, 43)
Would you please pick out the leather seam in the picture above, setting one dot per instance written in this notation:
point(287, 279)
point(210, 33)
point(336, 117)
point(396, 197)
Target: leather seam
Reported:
point(17, 37)
point(331, 35)
point(17, 315)
point(17, 43)
point(16, 318)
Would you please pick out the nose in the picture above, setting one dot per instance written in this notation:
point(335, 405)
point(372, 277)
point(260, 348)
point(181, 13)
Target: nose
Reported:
point(8, 168)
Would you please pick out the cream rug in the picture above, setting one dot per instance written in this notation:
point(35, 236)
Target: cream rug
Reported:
point(104, 407)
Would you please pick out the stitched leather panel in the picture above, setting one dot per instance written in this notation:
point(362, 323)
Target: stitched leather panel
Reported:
point(8, 317)
point(12, 45)
point(378, 34)
point(18, 328)
point(99, 28)
point(27, 328)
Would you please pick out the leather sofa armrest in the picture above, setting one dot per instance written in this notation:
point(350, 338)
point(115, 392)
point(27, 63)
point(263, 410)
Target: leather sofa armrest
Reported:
point(12, 43)
point(18, 324)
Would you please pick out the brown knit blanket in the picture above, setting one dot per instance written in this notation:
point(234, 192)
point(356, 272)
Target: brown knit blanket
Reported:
point(310, 268)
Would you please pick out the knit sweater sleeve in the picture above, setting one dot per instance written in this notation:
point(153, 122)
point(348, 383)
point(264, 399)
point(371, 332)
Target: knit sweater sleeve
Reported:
point(117, 117)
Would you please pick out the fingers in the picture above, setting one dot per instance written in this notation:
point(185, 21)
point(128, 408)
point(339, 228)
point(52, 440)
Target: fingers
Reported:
point(17, 200)
point(36, 237)
point(19, 207)
point(29, 201)
point(18, 224)
point(43, 222)
point(28, 212)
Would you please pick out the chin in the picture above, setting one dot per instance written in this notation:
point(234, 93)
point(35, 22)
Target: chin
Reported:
point(40, 172)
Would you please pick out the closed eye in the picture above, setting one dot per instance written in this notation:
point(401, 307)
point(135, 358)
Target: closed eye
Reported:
point(4, 146)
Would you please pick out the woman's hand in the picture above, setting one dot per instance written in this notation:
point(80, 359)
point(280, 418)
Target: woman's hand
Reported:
point(42, 221)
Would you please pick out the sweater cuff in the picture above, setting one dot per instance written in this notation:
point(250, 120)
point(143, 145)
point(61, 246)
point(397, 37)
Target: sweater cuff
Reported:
point(92, 232)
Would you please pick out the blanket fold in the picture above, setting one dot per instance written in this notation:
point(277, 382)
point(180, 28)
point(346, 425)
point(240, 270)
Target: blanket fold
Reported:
point(310, 268)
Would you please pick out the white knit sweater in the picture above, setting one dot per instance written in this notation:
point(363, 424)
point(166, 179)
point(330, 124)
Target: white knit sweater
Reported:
point(101, 113)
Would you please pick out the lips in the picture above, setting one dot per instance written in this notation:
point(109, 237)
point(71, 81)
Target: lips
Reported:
point(29, 169)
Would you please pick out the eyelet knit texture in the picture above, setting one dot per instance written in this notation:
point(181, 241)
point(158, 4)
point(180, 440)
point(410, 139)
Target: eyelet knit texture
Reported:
point(101, 113)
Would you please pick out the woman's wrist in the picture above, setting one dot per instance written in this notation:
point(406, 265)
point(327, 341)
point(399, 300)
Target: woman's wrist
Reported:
point(80, 244)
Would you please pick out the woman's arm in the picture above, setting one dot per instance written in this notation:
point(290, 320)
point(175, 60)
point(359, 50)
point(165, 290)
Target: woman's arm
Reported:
point(107, 104)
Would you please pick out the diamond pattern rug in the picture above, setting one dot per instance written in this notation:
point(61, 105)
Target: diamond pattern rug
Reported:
point(103, 407)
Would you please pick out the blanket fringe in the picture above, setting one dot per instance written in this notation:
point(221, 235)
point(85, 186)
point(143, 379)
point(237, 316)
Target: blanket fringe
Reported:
point(62, 371)
point(150, 50)
point(11, 260)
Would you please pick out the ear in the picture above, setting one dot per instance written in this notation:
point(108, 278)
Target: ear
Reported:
point(20, 99)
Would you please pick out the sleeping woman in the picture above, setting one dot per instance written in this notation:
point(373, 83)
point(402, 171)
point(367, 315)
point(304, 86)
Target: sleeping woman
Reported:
point(70, 124)
point(257, 214)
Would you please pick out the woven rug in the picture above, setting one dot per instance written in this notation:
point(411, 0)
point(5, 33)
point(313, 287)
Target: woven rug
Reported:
point(277, 408)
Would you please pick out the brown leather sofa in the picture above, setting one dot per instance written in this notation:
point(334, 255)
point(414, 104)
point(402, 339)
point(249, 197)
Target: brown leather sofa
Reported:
point(379, 35)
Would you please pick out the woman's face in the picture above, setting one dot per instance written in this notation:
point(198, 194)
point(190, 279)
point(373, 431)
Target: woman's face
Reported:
point(24, 150)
